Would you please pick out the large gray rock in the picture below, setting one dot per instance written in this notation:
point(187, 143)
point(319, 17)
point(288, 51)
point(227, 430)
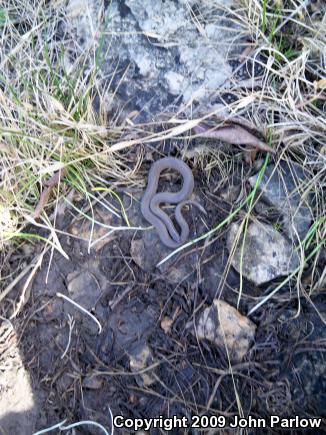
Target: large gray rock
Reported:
point(157, 55)
point(267, 254)
point(283, 188)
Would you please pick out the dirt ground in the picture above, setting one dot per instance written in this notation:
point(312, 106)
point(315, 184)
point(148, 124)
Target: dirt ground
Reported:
point(153, 309)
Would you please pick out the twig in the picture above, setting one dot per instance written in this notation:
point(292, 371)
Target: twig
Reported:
point(60, 295)
point(61, 426)
point(13, 283)
point(49, 429)
point(71, 323)
point(27, 287)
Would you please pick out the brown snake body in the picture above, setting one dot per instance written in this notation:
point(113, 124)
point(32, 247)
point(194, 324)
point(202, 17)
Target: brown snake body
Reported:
point(151, 201)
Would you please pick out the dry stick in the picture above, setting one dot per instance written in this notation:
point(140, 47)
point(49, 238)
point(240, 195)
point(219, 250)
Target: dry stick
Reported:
point(71, 323)
point(26, 287)
point(60, 295)
point(61, 426)
point(124, 373)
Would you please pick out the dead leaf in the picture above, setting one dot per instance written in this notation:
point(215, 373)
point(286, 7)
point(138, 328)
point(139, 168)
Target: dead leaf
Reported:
point(232, 134)
point(52, 182)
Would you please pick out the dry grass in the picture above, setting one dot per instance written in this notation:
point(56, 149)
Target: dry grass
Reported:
point(289, 102)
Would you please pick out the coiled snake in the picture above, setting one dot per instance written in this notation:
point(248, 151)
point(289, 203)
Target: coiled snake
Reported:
point(151, 201)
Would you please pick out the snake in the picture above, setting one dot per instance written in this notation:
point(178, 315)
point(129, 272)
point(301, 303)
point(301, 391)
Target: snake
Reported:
point(151, 201)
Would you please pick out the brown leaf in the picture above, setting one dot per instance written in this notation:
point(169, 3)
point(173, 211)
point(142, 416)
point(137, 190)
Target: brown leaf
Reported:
point(232, 134)
point(52, 182)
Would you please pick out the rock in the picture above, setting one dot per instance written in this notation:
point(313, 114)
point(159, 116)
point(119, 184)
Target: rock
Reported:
point(8, 224)
point(63, 383)
point(224, 326)
point(84, 289)
point(155, 54)
point(84, 17)
point(267, 254)
point(231, 193)
point(141, 357)
point(148, 251)
point(282, 188)
point(217, 277)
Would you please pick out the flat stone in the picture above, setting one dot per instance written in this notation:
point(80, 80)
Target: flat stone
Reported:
point(83, 16)
point(217, 278)
point(224, 326)
point(85, 290)
point(148, 251)
point(282, 188)
point(175, 82)
point(267, 254)
point(8, 223)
